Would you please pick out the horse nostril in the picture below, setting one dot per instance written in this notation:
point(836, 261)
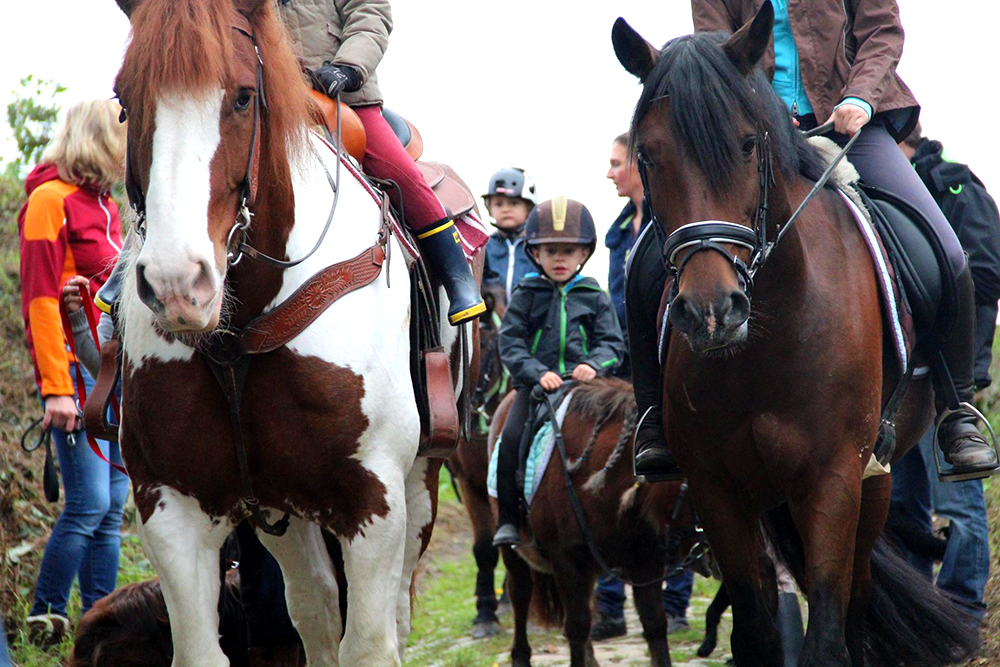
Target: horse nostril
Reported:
point(684, 314)
point(203, 285)
point(739, 309)
point(146, 292)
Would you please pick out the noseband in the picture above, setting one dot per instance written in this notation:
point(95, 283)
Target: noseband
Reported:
point(711, 235)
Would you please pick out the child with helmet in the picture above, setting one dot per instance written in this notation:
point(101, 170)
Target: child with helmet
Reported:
point(509, 200)
point(558, 323)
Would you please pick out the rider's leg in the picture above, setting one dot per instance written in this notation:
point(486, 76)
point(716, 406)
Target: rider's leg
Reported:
point(880, 163)
point(386, 158)
point(644, 284)
point(507, 463)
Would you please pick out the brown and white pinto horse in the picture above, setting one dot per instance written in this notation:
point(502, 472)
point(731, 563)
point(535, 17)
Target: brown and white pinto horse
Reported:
point(774, 412)
point(329, 420)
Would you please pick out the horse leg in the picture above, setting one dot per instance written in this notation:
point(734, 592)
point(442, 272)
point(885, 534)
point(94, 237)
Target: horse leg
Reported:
point(576, 588)
point(182, 543)
point(519, 581)
point(649, 604)
point(875, 493)
point(486, 623)
point(747, 572)
point(713, 615)
point(419, 518)
point(827, 520)
point(373, 563)
point(310, 588)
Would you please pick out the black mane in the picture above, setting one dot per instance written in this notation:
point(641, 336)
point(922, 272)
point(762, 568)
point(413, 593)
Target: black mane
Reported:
point(706, 93)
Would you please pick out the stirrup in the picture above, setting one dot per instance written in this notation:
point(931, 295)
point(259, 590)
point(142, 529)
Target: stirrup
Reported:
point(952, 476)
point(647, 478)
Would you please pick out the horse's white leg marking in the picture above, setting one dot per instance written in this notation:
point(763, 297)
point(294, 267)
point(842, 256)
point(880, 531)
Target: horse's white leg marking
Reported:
point(418, 515)
point(373, 564)
point(310, 588)
point(183, 543)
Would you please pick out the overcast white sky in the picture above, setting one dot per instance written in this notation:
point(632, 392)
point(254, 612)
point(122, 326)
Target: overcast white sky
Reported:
point(533, 84)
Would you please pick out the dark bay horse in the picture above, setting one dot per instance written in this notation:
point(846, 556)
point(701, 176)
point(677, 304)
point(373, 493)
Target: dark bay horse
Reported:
point(554, 570)
point(470, 463)
point(219, 149)
point(773, 411)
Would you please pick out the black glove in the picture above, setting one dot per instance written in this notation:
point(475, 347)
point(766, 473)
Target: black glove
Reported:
point(336, 78)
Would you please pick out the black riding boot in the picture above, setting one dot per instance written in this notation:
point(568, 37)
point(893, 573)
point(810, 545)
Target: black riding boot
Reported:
point(643, 287)
point(515, 432)
point(790, 628)
point(963, 445)
point(441, 244)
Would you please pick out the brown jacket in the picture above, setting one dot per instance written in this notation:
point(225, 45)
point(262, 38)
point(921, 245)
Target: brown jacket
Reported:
point(344, 32)
point(847, 48)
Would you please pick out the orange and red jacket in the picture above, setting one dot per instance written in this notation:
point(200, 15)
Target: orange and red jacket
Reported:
point(65, 230)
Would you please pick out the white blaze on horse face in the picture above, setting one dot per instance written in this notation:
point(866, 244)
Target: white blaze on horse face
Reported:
point(178, 258)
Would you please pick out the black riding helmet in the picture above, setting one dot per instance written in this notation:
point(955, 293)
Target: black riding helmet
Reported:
point(560, 220)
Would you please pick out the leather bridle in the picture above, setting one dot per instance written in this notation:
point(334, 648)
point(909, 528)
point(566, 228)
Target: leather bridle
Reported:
point(711, 235)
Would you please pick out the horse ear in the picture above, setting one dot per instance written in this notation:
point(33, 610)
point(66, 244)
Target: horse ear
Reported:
point(747, 45)
point(128, 6)
point(634, 53)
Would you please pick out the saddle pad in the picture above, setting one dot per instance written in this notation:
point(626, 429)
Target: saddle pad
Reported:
point(539, 454)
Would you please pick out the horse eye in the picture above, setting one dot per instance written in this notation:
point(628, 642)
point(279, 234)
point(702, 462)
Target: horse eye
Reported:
point(749, 143)
point(243, 100)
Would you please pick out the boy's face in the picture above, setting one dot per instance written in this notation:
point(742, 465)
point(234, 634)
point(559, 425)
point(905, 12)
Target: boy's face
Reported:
point(508, 212)
point(560, 261)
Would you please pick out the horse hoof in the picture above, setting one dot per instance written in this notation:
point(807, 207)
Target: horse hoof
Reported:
point(706, 648)
point(486, 629)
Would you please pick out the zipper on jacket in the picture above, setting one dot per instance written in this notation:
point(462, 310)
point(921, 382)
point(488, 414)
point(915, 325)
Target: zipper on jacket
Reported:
point(534, 344)
point(583, 336)
point(511, 247)
point(562, 332)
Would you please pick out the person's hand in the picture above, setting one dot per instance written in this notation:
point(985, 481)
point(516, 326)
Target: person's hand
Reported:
point(60, 412)
point(584, 373)
point(71, 293)
point(550, 381)
point(337, 78)
point(848, 118)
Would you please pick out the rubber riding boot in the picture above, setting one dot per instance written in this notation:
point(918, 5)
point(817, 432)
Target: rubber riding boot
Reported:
point(444, 248)
point(507, 536)
point(111, 291)
point(653, 458)
point(790, 628)
point(964, 447)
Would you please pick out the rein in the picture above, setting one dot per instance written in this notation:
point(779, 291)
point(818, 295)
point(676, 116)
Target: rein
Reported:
point(710, 235)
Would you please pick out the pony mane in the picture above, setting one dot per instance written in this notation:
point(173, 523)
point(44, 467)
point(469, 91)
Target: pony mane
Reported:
point(707, 93)
point(603, 398)
point(178, 45)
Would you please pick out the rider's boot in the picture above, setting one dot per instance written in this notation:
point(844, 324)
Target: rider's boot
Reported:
point(964, 447)
point(653, 458)
point(442, 245)
point(790, 627)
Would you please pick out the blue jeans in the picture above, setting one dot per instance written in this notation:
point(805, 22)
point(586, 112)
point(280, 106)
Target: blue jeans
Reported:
point(916, 491)
point(86, 539)
point(610, 595)
point(4, 657)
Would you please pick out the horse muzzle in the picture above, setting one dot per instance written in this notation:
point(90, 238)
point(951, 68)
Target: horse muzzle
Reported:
point(711, 324)
point(186, 297)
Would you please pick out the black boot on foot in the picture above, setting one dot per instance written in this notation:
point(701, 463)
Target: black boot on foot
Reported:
point(444, 250)
point(653, 459)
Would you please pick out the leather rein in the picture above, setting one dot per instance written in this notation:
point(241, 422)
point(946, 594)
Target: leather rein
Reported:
point(710, 235)
point(228, 352)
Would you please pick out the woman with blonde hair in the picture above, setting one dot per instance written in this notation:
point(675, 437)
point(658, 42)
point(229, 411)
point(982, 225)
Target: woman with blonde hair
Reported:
point(68, 227)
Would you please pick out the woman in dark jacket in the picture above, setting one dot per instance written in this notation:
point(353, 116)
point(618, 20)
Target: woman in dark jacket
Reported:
point(835, 60)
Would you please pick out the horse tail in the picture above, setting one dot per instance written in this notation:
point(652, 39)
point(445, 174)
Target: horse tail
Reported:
point(910, 621)
point(546, 602)
point(454, 484)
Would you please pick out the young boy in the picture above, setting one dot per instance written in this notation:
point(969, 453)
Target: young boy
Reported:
point(557, 323)
point(509, 200)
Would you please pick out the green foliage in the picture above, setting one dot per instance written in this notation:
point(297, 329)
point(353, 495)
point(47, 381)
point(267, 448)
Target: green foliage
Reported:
point(32, 117)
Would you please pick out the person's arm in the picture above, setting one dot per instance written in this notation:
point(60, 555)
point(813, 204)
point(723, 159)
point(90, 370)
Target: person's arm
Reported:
point(516, 342)
point(367, 24)
point(609, 345)
point(879, 35)
point(712, 15)
point(83, 342)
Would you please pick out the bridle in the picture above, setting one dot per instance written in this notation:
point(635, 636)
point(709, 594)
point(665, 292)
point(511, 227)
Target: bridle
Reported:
point(711, 235)
point(238, 236)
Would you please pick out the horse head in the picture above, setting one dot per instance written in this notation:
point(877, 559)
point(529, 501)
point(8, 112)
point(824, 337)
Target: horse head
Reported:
point(211, 92)
point(704, 131)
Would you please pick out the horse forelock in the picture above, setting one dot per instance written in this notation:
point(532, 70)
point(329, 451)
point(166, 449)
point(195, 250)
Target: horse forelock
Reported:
point(707, 95)
point(187, 46)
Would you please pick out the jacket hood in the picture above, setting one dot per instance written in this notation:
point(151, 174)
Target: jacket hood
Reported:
point(42, 173)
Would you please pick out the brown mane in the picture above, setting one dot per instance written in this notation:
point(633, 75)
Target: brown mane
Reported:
point(188, 45)
point(603, 397)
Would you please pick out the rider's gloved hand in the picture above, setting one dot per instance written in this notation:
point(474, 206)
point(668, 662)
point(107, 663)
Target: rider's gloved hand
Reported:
point(337, 78)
